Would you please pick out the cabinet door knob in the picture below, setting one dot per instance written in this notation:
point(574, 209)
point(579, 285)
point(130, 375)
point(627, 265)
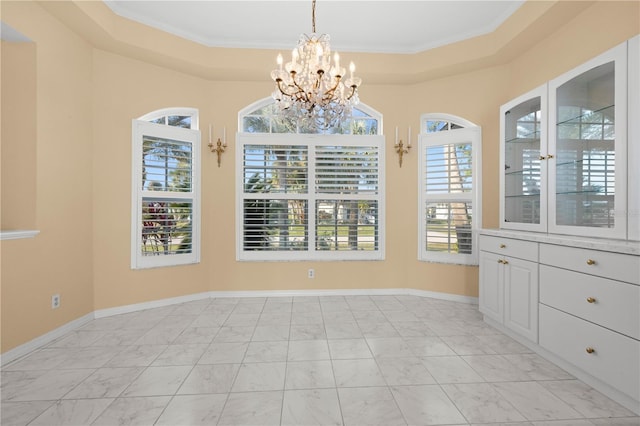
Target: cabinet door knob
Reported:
point(550, 156)
point(500, 261)
point(503, 246)
point(591, 299)
point(542, 157)
point(590, 350)
point(591, 262)
point(506, 262)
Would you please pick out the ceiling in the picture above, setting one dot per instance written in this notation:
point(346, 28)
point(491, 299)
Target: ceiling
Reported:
point(377, 26)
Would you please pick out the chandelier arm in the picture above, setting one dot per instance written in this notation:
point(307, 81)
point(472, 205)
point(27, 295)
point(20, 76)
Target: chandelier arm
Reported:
point(298, 92)
point(328, 95)
point(279, 82)
point(294, 93)
point(353, 91)
point(333, 89)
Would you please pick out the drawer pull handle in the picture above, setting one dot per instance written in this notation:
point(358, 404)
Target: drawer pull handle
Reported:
point(500, 261)
point(590, 350)
point(505, 262)
point(591, 300)
point(503, 246)
point(591, 262)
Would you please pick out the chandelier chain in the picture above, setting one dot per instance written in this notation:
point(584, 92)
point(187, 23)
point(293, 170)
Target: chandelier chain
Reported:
point(313, 16)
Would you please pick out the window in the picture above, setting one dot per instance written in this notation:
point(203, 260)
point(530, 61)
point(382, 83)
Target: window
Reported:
point(165, 189)
point(304, 196)
point(449, 189)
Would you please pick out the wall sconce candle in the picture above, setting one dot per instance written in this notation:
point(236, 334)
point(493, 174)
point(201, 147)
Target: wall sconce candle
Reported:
point(220, 145)
point(401, 149)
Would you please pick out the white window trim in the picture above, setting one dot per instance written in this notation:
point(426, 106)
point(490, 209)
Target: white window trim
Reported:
point(18, 234)
point(142, 127)
point(311, 254)
point(470, 132)
point(165, 112)
point(310, 139)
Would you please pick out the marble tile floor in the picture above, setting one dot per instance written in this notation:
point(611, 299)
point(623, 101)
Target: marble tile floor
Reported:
point(329, 360)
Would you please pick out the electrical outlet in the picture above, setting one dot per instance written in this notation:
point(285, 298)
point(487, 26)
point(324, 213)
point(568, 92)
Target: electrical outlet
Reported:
point(312, 273)
point(55, 301)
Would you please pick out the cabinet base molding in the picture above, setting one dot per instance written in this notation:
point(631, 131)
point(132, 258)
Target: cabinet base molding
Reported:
point(602, 387)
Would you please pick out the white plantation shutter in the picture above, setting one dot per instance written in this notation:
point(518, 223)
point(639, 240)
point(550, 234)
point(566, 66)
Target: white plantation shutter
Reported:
point(307, 197)
point(347, 190)
point(165, 222)
point(347, 170)
point(449, 198)
point(275, 187)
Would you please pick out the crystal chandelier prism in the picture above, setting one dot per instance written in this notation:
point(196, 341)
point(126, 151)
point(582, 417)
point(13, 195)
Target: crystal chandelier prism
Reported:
point(310, 87)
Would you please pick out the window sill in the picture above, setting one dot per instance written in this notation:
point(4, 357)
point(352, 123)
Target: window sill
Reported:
point(18, 234)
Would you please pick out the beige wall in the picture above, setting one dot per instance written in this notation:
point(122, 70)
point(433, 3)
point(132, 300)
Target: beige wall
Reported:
point(59, 259)
point(87, 96)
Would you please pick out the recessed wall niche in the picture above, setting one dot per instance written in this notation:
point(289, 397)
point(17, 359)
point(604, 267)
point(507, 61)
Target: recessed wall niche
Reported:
point(19, 132)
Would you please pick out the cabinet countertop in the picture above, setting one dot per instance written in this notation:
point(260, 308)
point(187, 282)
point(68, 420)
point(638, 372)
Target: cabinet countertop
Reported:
point(617, 246)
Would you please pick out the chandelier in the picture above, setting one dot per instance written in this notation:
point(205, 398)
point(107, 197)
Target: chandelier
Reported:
point(310, 87)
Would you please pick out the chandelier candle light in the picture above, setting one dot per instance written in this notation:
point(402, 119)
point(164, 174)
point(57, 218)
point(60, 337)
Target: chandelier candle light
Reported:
point(400, 147)
point(310, 87)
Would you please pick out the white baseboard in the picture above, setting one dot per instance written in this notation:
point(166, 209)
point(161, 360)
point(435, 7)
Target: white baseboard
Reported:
point(40, 341)
point(44, 339)
point(443, 296)
point(348, 292)
point(102, 313)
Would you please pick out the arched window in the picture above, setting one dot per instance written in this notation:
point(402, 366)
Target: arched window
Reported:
point(309, 196)
point(264, 117)
point(165, 189)
point(449, 189)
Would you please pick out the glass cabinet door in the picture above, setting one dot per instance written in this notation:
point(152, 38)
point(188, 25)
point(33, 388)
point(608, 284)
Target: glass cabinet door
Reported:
point(523, 165)
point(588, 130)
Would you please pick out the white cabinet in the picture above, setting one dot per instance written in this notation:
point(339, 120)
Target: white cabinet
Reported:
point(575, 300)
point(589, 312)
point(601, 353)
point(523, 169)
point(567, 147)
point(509, 284)
point(570, 223)
point(521, 297)
point(588, 138)
point(491, 297)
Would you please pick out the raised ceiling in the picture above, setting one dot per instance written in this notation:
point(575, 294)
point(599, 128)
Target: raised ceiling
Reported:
point(375, 26)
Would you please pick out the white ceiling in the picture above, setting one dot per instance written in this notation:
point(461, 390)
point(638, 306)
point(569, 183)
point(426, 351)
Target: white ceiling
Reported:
point(380, 26)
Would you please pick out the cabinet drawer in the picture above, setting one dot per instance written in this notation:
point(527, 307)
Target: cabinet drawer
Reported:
point(614, 359)
point(621, 267)
point(612, 304)
point(509, 247)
